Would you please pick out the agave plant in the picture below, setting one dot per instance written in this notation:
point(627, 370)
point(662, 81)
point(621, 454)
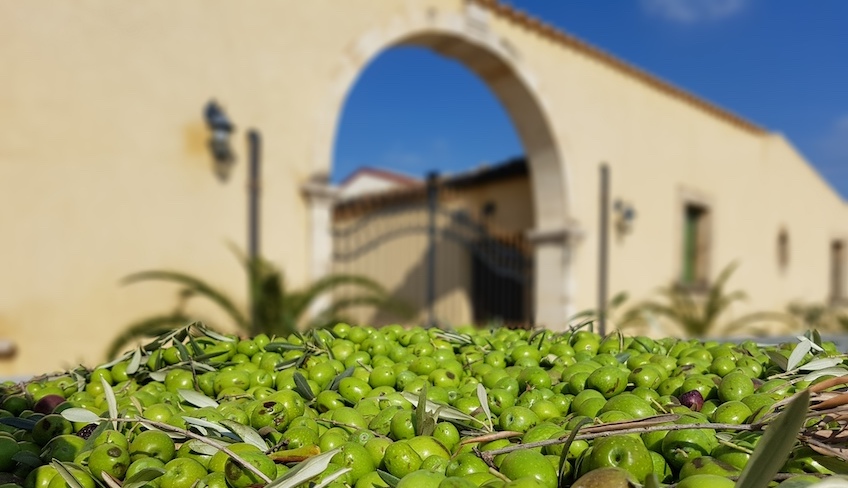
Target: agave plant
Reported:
point(700, 313)
point(272, 309)
point(830, 317)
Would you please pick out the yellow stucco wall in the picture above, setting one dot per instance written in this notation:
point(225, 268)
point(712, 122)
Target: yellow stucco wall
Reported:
point(104, 170)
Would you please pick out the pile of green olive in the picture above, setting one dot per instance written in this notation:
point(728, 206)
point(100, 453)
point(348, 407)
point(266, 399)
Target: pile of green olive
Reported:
point(404, 407)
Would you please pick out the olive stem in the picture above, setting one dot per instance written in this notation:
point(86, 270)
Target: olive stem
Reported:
point(494, 436)
point(823, 447)
point(735, 446)
point(662, 409)
point(205, 440)
point(608, 433)
point(829, 383)
point(498, 474)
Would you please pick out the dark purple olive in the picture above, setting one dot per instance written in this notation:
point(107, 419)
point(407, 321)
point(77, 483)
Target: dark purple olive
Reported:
point(47, 404)
point(692, 400)
point(86, 431)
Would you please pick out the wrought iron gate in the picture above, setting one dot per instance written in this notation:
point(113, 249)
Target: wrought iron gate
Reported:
point(424, 247)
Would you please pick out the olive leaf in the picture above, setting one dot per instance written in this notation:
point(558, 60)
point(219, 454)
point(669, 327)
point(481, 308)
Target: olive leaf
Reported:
point(484, 403)
point(111, 402)
point(158, 375)
point(195, 346)
point(289, 363)
point(80, 381)
point(456, 338)
point(813, 345)
point(199, 447)
point(388, 478)
point(143, 477)
point(214, 335)
point(333, 477)
point(534, 335)
point(837, 371)
point(184, 355)
point(302, 386)
point(135, 362)
point(334, 385)
point(816, 337)
point(838, 466)
point(778, 359)
point(541, 340)
point(773, 449)
point(77, 414)
point(282, 346)
point(204, 366)
point(444, 411)
point(116, 361)
point(798, 353)
point(304, 471)
point(205, 423)
point(197, 399)
point(424, 422)
point(210, 355)
point(247, 434)
point(565, 447)
point(63, 471)
point(27, 458)
point(109, 480)
point(822, 363)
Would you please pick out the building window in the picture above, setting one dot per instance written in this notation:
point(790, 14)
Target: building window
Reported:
point(837, 270)
point(783, 249)
point(695, 245)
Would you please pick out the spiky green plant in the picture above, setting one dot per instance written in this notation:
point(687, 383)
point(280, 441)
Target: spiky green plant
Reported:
point(829, 317)
point(699, 313)
point(272, 308)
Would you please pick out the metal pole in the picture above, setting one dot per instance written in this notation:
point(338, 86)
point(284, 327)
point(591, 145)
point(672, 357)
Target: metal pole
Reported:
point(254, 146)
point(432, 205)
point(603, 248)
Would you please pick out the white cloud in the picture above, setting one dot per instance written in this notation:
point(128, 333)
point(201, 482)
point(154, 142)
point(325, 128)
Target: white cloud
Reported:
point(694, 11)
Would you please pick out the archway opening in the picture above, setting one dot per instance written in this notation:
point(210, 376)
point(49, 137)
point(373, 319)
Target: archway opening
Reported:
point(541, 235)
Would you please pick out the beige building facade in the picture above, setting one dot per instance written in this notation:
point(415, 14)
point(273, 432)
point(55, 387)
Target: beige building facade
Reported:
point(104, 168)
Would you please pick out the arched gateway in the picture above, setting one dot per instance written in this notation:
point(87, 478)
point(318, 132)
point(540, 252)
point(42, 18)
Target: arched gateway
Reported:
point(466, 39)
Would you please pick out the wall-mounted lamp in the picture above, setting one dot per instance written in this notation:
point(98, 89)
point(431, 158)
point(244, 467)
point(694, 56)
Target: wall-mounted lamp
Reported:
point(221, 127)
point(625, 214)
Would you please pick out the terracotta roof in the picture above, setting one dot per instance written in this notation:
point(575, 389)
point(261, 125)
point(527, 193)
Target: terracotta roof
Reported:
point(515, 167)
point(550, 32)
point(398, 178)
point(417, 191)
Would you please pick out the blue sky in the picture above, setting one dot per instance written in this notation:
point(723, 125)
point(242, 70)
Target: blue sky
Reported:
point(782, 64)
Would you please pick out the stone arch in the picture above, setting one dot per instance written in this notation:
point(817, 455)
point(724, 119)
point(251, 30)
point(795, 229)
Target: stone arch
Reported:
point(467, 39)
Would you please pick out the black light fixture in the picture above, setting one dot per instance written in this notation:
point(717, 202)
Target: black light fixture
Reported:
point(625, 215)
point(221, 127)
